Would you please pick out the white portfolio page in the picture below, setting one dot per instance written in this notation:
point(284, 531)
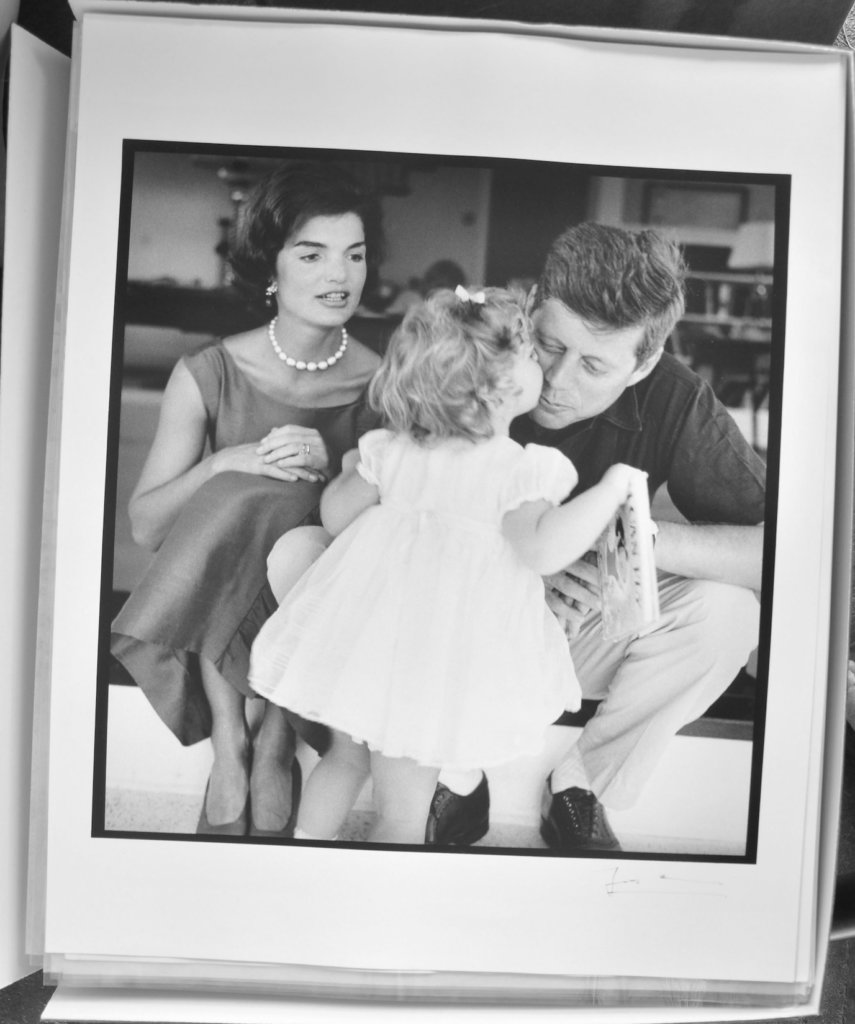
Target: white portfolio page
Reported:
point(480, 95)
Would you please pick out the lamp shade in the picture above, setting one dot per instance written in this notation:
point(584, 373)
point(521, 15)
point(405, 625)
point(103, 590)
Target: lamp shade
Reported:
point(754, 247)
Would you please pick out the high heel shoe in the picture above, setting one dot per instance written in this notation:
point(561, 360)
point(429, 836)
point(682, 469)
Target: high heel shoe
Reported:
point(238, 827)
point(287, 832)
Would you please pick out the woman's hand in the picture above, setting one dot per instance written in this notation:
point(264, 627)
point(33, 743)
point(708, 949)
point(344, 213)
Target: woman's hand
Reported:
point(287, 453)
point(296, 450)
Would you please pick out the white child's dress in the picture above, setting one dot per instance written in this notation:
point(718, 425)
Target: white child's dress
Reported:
point(419, 631)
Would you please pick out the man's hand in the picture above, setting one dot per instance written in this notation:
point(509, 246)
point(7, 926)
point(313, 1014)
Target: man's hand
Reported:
point(574, 593)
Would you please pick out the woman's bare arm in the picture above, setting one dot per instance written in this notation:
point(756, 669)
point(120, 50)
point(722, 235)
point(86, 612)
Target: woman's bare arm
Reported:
point(174, 468)
point(177, 466)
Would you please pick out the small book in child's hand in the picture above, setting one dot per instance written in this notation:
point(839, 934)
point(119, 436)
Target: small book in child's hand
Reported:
point(629, 592)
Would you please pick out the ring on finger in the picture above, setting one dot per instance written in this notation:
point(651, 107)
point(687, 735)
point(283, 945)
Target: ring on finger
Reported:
point(305, 449)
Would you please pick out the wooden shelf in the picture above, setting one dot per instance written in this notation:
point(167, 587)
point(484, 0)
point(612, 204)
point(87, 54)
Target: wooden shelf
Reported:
point(730, 277)
point(713, 320)
point(734, 302)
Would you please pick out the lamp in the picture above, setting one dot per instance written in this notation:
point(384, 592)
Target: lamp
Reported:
point(754, 250)
point(754, 247)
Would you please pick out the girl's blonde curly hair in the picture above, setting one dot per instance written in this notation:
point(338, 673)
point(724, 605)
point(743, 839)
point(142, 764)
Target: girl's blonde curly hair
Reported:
point(447, 365)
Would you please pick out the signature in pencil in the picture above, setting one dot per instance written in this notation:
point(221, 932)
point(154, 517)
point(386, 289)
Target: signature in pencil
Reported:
point(663, 885)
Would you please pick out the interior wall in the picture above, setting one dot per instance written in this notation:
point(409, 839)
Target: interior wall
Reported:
point(444, 217)
point(173, 228)
point(174, 231)
point(496, 224)
point(530, 205)
point(616, 201)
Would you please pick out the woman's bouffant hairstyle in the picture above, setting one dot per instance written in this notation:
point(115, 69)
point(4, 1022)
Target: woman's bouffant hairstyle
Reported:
point(615, 279)
point(282, 202)
point(447, 365)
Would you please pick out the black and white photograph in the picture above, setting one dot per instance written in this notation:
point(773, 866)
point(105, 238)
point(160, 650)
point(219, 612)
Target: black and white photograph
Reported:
point(353, 374)
point(419, 659)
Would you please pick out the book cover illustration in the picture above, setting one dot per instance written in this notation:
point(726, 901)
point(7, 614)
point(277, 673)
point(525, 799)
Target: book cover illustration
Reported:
point(630, 595)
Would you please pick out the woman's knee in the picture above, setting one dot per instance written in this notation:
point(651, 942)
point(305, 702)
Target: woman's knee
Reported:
point(292, 555)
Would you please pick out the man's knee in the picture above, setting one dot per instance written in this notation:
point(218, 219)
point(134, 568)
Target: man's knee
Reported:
point(721, 615)
point(732, 611)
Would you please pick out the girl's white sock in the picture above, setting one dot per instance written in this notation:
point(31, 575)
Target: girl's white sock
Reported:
point(461, 782)
point(300, 833)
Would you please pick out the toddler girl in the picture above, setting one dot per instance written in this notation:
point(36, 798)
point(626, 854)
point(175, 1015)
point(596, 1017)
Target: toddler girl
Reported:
point(421, 636)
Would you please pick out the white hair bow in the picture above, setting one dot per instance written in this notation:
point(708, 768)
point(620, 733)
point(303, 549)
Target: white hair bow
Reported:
point(478, 298)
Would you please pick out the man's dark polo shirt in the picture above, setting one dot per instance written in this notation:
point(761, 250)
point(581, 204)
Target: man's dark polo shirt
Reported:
point(673, 427)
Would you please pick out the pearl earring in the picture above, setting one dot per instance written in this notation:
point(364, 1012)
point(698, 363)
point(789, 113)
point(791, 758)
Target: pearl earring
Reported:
point(270, 291)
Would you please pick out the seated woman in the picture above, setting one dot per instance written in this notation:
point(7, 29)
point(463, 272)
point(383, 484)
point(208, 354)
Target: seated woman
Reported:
point(249, 430)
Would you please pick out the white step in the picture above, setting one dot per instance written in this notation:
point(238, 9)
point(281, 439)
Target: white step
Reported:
point(696, 800)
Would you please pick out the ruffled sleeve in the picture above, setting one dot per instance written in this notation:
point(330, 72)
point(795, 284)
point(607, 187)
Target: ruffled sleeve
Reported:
point(372, 451)
point(541, 473)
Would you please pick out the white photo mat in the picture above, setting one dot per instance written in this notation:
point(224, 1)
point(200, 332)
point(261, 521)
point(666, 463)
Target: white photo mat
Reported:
point(38, 111)
point(466, 93)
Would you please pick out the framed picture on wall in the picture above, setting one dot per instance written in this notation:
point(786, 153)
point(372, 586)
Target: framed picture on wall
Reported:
point(702, 206)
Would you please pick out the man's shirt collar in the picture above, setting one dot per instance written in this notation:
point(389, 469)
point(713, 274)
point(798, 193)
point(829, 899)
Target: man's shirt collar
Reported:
point(623, 413)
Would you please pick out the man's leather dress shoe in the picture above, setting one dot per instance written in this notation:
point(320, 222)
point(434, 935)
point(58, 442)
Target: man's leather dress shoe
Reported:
point(573, 821)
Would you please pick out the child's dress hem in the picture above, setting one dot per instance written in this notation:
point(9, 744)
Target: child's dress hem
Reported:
point(420, 630)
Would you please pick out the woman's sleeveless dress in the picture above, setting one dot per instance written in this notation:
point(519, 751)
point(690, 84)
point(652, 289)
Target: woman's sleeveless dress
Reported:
point(420, 631)
point(205, 593)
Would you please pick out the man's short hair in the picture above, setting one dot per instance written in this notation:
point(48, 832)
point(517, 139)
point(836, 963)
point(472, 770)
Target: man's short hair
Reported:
point(615, 279)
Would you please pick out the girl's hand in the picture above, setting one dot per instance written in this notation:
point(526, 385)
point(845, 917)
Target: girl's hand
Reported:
point(621, 479)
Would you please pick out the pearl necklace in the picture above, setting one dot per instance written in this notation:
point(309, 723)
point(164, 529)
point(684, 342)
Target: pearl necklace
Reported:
point(299, 364)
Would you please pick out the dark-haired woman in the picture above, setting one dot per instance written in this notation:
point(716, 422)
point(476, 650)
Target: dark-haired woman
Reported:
point(249, 430)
